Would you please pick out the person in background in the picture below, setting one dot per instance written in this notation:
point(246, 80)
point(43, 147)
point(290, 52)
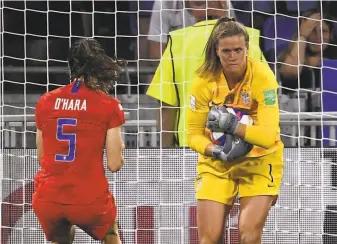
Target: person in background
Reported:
point(139, 21)
point(299, 64)
point(176, 14)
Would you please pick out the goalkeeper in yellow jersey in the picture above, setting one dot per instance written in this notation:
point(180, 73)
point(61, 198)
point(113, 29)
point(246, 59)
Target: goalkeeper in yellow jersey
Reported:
point(252, 167)
point(171, 84)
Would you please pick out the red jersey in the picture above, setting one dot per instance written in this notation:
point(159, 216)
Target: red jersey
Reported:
point(74, 121)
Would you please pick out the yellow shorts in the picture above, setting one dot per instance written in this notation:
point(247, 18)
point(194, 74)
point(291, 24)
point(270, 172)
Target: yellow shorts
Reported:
point(250, 177)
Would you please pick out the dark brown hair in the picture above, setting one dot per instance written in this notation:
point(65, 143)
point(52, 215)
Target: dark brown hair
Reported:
point(224, 27)
point(88, 59)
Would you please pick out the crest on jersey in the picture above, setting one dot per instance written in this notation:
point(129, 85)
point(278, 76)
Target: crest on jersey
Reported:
point(245, 98)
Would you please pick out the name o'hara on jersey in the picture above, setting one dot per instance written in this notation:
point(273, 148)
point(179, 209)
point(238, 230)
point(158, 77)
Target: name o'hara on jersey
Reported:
point(70, 104)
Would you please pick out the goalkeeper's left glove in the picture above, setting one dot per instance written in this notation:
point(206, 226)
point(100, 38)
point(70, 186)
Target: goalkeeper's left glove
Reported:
point(233, 149)
point(220, 120)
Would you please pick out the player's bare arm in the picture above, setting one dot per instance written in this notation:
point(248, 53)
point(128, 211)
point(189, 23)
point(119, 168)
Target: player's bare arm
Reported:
point(39, 145)
point(114, 147)
point(112, 237)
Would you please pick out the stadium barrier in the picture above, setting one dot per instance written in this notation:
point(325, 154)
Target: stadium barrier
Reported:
point(18, 130)
point(156, 202)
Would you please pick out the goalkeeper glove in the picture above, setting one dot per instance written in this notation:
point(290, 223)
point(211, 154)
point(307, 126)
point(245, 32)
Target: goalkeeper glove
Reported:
point(233, 149)
point(220, 120)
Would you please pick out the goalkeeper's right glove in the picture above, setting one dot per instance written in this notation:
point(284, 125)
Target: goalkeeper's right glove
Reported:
point(234, 148)
point(220, 120)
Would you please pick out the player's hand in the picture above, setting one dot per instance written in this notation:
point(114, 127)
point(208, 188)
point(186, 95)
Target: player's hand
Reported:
point(308, 25)
point(220, 120)
point(233, 149)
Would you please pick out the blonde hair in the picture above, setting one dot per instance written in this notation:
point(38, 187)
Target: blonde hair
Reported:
point(224, 27)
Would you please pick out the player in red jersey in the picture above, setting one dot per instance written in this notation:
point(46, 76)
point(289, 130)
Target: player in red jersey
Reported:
point(74, 125)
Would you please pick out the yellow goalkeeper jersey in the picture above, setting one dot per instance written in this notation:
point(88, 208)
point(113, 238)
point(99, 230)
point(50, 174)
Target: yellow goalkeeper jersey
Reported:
point(256, 95)
point(184, 54)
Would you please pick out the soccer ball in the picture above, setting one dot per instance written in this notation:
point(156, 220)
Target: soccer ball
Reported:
point(219, 138)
